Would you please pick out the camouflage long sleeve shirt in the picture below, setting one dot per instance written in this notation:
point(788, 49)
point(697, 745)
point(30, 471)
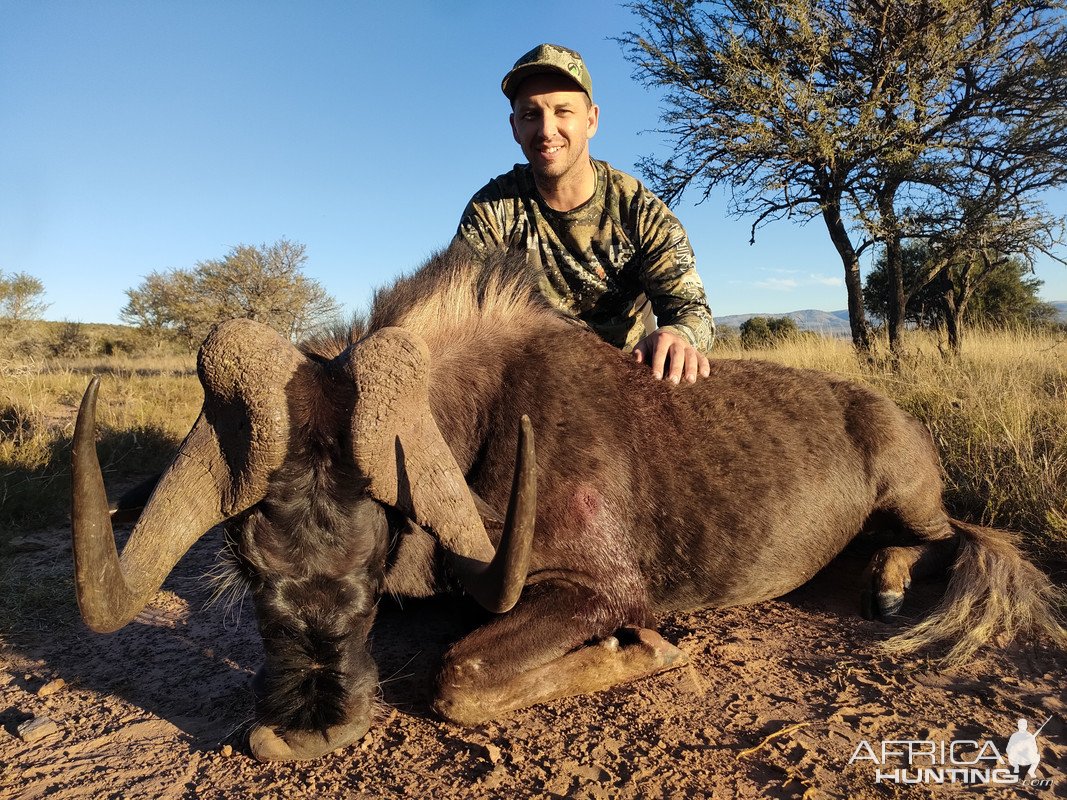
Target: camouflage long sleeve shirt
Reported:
point(600, 261)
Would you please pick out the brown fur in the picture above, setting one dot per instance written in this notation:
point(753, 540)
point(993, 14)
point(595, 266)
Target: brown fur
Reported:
point(731, 491)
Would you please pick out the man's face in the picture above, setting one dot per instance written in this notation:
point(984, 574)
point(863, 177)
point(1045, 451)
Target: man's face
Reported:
point(553, 121)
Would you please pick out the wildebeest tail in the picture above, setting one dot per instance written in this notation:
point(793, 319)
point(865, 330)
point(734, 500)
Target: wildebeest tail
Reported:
point(994, 594)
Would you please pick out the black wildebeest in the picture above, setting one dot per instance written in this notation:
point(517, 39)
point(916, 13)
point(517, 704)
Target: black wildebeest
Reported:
point(352, 468)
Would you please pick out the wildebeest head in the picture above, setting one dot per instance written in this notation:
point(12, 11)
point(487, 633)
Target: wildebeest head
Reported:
point(301, 456)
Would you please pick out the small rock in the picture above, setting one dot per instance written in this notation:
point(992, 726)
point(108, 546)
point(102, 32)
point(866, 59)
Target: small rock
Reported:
point(227, 751)
point(590, 772)
point(51, 687)
point(493, 752)
point(33, 730)
point(495, 778)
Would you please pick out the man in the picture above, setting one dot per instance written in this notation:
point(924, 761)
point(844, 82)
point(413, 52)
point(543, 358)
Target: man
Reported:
point(602, 243)
point(1022, 749)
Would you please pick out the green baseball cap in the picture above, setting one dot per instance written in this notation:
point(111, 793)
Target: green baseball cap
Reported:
point(548, 58)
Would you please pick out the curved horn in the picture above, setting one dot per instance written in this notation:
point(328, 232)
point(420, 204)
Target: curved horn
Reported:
point(398, 446)
point(221, 469)
point(111, 591)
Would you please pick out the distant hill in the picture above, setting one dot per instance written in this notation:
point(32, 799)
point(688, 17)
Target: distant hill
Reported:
point(829, 323)
point(834, 323)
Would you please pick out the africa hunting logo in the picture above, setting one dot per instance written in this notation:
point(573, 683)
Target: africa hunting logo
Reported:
point(960, 761)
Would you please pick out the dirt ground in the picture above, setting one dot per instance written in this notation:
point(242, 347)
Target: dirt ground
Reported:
point(777, 701)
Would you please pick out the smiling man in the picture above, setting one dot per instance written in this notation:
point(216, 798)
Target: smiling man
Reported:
point(605, 247)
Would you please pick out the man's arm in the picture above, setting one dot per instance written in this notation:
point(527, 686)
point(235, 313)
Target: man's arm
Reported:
point(677, 348)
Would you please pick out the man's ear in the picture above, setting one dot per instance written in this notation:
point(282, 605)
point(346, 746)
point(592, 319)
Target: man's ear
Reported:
point(514, 133)
point(594, 120)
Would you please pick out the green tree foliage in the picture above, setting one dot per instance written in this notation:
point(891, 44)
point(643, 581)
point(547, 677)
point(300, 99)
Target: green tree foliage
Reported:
point(888, 120)
point(1009, 297)
point(264, 283)
point(1006, 294)
point(924, 308)
point(783, 327)
point(759, 332)
point(20, 297)
point(755, 332)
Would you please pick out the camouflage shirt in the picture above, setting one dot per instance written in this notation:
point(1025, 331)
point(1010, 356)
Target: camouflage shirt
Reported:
point(601, 260)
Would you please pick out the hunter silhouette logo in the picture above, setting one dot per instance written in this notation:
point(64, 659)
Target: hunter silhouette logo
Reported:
point(1022, 748)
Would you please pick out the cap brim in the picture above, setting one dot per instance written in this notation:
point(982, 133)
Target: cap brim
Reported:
point(510, 84)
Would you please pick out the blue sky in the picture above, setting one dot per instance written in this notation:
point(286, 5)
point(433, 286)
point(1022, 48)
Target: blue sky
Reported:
point(140, 136)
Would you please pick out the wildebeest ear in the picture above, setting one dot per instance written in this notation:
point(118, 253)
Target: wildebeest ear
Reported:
point(245, 368)
point(396, 444)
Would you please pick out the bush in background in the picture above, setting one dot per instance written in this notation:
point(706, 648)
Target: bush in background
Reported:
point(759, 332)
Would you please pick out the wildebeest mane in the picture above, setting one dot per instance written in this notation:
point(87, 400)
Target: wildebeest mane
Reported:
point(458, 298)
point(499, 282)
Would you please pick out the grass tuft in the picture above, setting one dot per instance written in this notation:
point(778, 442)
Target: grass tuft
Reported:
point(146, 406)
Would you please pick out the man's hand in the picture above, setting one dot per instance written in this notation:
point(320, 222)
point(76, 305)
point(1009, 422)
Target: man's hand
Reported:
point(665, 349)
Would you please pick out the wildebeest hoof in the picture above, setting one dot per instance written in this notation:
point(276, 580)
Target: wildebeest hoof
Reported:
point(884, 606)
point(645, 644)
point(267, 745)
point(889, 604)
point(886, 579)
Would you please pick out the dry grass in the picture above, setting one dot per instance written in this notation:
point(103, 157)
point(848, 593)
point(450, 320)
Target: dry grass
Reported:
point(146, 405)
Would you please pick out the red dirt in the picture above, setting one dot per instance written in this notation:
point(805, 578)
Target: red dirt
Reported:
point(776, 701)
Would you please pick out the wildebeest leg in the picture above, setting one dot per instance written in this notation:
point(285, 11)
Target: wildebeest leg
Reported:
point(892, 569)
point(919, 514)
point(557, 642)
